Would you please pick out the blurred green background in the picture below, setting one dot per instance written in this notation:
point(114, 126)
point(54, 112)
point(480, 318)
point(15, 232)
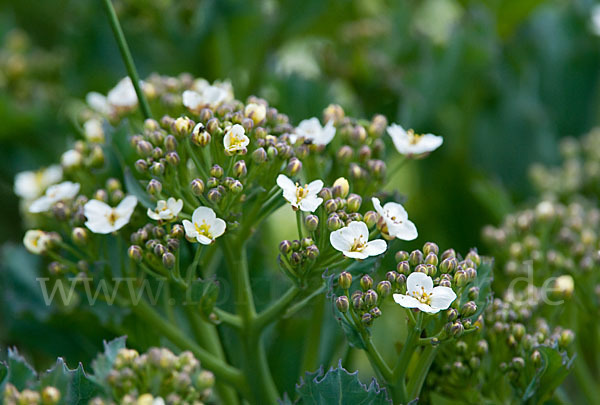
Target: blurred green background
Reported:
point(501, 80)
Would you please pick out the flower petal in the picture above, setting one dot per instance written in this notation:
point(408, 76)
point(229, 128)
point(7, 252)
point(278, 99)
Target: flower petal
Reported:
point(359, 229)
point(190, 229)
point(285, 182)
point(417, 281)
point(375, 247)
point(310, 203)
point(314, 186)
point(42, 204)
point(203, 213)
point(355, 255)
point(406, 301)
point(405, 231)
point(217, 227)
point(442, 297)
point(341, 239)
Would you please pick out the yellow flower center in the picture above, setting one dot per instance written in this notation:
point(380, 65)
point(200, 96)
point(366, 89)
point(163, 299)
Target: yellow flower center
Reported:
point(413, 138)
point(358, 245)
point(112, 217)
point(422, 296)
point(301, 192)
point(203, 229)
point(235, 142)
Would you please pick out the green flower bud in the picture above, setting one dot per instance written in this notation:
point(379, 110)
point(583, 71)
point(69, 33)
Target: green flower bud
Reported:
point(236, 187)
point(358, 135)
point(357, 302)
point(370, 298)
point(294, 167)
point(197, 186)
point(448, 253)
point(312, 252)
point(296, 245)
point(331, 206)
point(154, 187)
point(364, 153)
point(400, 280)
point(468, 309)
point(285, 247)
point(216, 171)
point(451, 314)
point(159, 249)
point(200, 137)
point(334, 113)
point(421, 268)
point(79, 236)
point(259, 156)
point(334, 222)
point(445, 283)
point(212, 182)
point(391, 277)
point(384, 288)
point(471, 273)
point(151, 124)
point(366, 282)
point(401, 256)
point(168, 260)
point(342, 304)
point(448, 265)
point(345, 154)
point(50, 396)
point(432, 259)
point(473, 256)
point(296, 258)
point(173, 158)
point(566, 338)
point(143, 148)
point(141, 166)
point(306, 242)
point(415, 257)
point(135, 253)
point(457, 329)
point(366, 319)
point(214, 195)
point(354, 201)
point(536, 358)
point(183, 126)
point(460, 278)
point(345, 280)
point(56, 268)
point(375, 312)
point(170, 143)
point(431, 247)
point(239, 169)
point(312, 222)
point(473, 293)
point(205, 380)
point(518, 363)
point(370, 218)
point(157, 138)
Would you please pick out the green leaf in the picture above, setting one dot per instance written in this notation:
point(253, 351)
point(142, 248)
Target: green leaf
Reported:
point(338, 386)
point(20, 373)
point(103, 363)
point(554, 369)
point(57, 377)
point(82, 388)
point(133, 187)
point(205, 293)
point(3, 375)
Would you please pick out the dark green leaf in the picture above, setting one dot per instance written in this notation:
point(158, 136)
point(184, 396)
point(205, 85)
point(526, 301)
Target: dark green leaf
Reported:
point(205, 293)
point(550, 374)
point(484, 282)
point(102, 365)
point(20, 373)
point(81, 387)
point(338, 386)
point(133, 187)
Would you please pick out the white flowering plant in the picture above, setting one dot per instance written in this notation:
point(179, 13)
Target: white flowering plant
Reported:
point(165, 207)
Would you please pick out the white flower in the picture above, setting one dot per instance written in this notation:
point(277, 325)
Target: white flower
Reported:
point(93, 130)
point(421, 294)
point(353, 241)
point(98, 103)
point(303, 197)
point(123, 94)
point(257, 112)
point(235, 139)
point(312, 130)
point(58, 192)
point(595, 19)
point(102, 218)
point(30, 185)
point(71, 158)
point(166, 210)
point(36, 241)
point(206, 95)
point(205, 227)
point(396, 220)
point(409, 143)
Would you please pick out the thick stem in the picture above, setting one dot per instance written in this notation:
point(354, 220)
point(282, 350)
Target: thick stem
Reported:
point(126, 55)
point(416, 382)
point(223, 371)
point(208, 337)
point(399, 375)
point(272, 313)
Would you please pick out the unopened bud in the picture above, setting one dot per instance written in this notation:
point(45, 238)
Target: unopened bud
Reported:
point(353, 203)
point(154, 187)
point(366, 282)
point(239, 169)
point(197, 186)
point(370, 218)
point(415, 258)
point(79, 236)
point(345, 280)
point(135, 253)
point(468, 309)
point(384, 288)
point(50, 396)
point(342, 304)
point(334, 222)
point(285, 247)
point(341, 188)
point(312, 222)
point(168, 260)
point(259, 156)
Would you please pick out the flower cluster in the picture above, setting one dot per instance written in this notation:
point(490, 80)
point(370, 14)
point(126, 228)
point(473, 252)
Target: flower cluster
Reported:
point(157, 377)
point(47, 395)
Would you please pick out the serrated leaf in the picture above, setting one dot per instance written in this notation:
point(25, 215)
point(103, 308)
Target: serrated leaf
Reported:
point(57, 377)
point(205, 293)
point(20, 373)
point(103, 363)
point(3, 375)
point(81, 387)
point(338, 386)
point(554, 369)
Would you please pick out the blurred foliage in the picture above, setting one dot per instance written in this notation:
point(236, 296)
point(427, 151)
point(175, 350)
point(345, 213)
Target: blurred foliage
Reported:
point(501, 80)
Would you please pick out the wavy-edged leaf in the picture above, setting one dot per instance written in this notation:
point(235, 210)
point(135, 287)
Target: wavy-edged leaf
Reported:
point(20, 373)
point(338, 386)
point(483, 281)
point(549, 375)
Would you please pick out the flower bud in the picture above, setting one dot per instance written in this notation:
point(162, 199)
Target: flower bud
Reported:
point(473, 293)
point(168, 260)
point(197, 186)
point(452, 314)
point(457, 329)
point(50, 396)
point(370, 218)
point(170, 143)
point(334, 113)
point(141, 165)
point(214, 195)
point(354, 201)
point(366, 282)
point(285, 247)
point(239, 169)
point(370, 298)
point(431, 259)
point(403, 267)
point(536, 358)
point(159, 249)
point(334, 222)
point(259, 156)
point(384, 288)
point(143, 148)
point(364, 153)
point(294, 167)
point(154, 187)
point(415, 257)
point(430, 247)
point(331, 206)
point(157, 169)
point(341, 188)
point(345, 153)
point(566, 338)
point(216, 171)
point(183, 126)
point(312, 222)
point(366, 319)
point(342, 304)
point(345, 280)
point(312, 252)
point(468, 309)
point(448, 265)
point(401, 256)
point(460, 278)
point(135, 253)
point(448, 253)
point(173, 158)
point(471, 273)
point(391, 277)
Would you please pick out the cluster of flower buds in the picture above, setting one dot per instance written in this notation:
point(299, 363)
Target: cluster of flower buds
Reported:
point(158, 377)
point(157, 245)
point(342, 207)
point(47, 395)
point(364, 301)
point(549, 240)
point(579, 172)
point(297, 255)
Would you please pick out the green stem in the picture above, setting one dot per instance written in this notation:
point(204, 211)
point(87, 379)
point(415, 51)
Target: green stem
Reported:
point(377, 360)
point(208, 337)
point(399, 374)
point(222, 370)
point(585, 380)
point(228, 318)
point(272, 313)
point(127, 59)
point(299, 223)
point(425, 360)
point(313, 337)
